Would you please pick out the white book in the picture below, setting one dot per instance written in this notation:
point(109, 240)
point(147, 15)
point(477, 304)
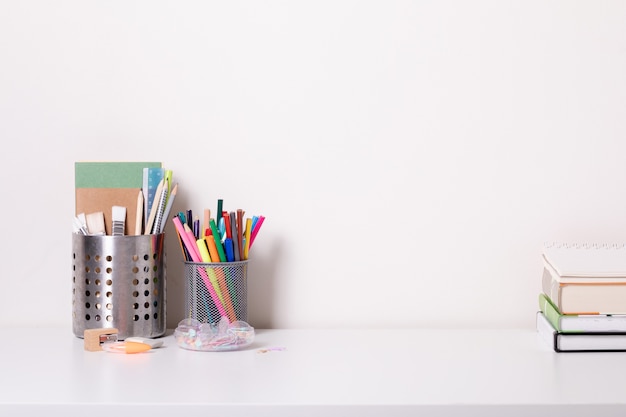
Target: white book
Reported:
point(579, 342)
point(585, 297)
point(596, 262)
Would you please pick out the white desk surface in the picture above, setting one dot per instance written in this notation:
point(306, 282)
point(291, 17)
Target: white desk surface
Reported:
point(319, 373)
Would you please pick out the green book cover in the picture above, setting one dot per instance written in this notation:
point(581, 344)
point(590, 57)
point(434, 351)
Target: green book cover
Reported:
point(111, 174)
point(550, 311)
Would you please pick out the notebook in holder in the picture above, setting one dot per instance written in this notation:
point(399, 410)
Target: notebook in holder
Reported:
point(101, 185)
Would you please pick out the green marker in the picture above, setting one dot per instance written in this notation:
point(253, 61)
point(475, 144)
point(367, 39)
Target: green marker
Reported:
point(218, 216)
point(218, 241)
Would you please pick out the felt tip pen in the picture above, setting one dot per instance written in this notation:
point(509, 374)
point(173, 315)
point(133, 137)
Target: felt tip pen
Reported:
point(125, 347)
point(230, 252)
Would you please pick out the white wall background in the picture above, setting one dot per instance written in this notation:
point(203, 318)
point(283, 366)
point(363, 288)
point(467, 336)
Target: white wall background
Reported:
point(411, 157)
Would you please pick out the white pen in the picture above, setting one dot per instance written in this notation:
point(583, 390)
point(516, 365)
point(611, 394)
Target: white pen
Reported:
point(160, 209)
point(168, 208)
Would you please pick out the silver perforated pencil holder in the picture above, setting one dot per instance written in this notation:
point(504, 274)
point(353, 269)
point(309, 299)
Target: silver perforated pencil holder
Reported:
point(216, 290)
point(119, 282)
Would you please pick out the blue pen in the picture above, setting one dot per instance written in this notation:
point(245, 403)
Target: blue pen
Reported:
point(254, 220)
point(233, 225)
point(222, 228)
point(196, 228)
point(230, 254)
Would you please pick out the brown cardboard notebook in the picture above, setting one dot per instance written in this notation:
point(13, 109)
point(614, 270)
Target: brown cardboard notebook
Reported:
point(102, 185)
point(91, 200)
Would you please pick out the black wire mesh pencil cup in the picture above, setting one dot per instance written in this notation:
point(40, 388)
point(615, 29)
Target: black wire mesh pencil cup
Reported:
point(215, 290)
point(119, 282)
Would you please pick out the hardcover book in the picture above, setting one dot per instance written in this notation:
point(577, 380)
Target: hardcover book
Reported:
point(579, 342)
point(580, 322)
point(585, 297)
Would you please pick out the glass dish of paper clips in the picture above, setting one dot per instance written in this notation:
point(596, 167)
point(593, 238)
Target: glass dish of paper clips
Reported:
point(191, 334)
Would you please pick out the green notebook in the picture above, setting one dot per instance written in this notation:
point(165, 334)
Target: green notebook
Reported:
point(577, 323)
point(101, 185)
point(111, 174)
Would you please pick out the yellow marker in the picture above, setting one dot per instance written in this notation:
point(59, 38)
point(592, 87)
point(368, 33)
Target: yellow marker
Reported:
point(204, 254)
point(246, 247)
point(204, 251)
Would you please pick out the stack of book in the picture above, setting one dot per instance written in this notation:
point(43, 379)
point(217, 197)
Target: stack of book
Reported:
point(582, 306)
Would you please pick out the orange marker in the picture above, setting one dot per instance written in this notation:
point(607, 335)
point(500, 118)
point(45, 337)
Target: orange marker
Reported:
point(126, 347)
point(214, 254)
